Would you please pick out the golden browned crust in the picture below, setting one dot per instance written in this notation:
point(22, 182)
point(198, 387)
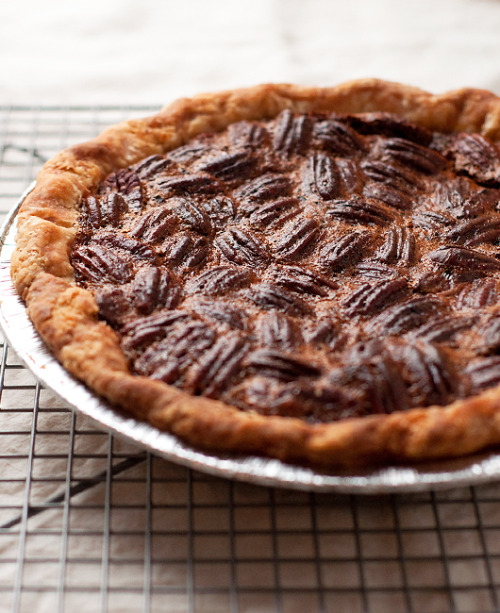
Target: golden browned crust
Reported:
point(66, 315)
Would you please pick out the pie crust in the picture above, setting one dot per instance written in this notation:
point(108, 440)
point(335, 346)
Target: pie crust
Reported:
point(66, 315)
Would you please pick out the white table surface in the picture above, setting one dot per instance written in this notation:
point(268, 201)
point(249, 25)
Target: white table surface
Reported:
point(151, 51)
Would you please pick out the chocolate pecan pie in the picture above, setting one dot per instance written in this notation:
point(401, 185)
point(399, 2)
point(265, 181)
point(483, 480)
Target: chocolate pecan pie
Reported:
point(308, 274)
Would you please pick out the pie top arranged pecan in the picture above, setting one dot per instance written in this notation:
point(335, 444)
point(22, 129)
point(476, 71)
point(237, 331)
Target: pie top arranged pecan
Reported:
point(316, 266)
point(318, 283)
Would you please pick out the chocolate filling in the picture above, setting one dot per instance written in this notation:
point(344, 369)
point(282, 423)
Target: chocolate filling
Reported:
point(317, 266)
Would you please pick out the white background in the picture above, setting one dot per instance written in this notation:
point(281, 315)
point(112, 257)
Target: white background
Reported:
point(151, 51)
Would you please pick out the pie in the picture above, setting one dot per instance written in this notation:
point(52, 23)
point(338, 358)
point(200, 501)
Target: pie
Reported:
point(300, 273)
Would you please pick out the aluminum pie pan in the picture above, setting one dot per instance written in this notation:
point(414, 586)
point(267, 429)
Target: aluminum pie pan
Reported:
point(31, 350)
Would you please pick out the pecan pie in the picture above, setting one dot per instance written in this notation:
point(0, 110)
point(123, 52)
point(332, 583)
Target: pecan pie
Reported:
point(307, 274)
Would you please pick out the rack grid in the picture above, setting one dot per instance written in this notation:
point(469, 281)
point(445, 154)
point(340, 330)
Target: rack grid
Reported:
point(90, 522)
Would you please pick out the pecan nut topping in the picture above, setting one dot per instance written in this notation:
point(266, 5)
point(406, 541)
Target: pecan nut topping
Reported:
point(285, 275)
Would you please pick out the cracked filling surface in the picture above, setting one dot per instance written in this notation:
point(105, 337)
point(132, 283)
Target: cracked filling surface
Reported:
point(315, 266)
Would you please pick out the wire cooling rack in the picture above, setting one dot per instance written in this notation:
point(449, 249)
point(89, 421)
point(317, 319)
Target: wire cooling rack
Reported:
point(91, 523)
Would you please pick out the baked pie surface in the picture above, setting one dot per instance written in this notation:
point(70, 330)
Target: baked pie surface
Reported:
point(300, 273)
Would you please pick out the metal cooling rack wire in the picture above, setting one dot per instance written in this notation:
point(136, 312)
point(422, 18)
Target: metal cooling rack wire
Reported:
point(110, 528)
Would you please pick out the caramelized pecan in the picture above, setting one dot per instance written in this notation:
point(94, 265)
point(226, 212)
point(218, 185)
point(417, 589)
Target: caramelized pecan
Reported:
point(218, 312)
point(484, 373)
point(265, 187)
point(221, 210)
point(153, 287)
point(219, 280)
point(104, 211)
point(399, 247)
point(281, 365)
point(242, 247)
point(369, 299)
point(192, 150)
point(154, 224)
point(96, 263)
point(147, 330)
point(296, 238)
point(413, 155)
point(246, 134)
point(361, 210)
point(490, 335)
point(301, 280)
point(376, 270)
point(475, 156)
point(431, 374)
point(481, 293)
point(276, 330)
point(192, 215)
point(114, 304)
point(392, 175)
point(344, 251)
point(390, 196)
point(126, 244)
point(389, 125)
point(189, 183)
point(274, 213)
point(321, 176)
point(409, 315)
point(126, 183)
point(325, 331)
point(464, 258)
point(471, 232)
point(349, 174)
point(230, 166)
point(214, 371)
point(338, 138)
point(444, 328)
point(292, 133)
point(151, 166)
point(185, 250)
point(270, 296)
point(169, 359)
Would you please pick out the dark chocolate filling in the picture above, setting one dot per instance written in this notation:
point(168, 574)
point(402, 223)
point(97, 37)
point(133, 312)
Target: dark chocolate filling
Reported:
point(316, 266)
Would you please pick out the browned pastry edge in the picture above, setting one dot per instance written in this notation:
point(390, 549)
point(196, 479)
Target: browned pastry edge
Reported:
point(66, 316)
